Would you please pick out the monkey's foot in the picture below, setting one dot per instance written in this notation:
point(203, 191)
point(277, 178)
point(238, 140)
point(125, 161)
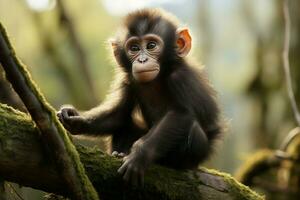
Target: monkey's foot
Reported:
point(118, 155)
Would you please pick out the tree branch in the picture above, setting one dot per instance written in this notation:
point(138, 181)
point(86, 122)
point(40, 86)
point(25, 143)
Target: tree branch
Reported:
point(53, 135)
point(23, 160)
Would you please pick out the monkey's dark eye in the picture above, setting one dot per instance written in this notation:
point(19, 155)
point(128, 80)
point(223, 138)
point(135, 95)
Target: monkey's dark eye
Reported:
point(134, 47)
point(151, 45)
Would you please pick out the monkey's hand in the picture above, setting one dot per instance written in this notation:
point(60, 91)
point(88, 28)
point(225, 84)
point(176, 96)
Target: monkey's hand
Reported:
point(135, 164)
point(71, 119)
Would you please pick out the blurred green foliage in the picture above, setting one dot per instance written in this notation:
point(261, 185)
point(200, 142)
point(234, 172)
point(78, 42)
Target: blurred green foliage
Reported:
point(94, 27)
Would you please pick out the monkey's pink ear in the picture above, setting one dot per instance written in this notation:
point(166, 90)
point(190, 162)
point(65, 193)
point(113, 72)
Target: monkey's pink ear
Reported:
point(183, 42)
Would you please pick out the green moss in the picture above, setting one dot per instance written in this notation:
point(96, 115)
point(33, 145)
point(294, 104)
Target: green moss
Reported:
point(10, 112)
point(238, 190)
point(20, 120)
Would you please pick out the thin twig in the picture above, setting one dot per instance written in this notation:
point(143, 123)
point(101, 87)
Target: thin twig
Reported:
point(285, 59)
point(289, 138)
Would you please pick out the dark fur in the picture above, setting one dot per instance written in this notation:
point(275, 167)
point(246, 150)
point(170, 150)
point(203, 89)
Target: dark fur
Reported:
point(178, 107)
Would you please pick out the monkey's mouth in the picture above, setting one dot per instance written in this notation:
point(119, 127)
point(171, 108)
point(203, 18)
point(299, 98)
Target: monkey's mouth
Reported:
point(145, 75)
point(146, 71)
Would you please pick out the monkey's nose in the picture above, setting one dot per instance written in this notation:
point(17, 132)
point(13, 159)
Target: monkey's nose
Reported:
point(142, 59)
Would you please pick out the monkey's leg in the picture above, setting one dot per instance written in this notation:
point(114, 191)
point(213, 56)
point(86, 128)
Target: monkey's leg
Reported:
point(192, 149)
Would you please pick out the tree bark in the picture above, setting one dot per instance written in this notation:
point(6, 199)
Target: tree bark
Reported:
point(23, 160)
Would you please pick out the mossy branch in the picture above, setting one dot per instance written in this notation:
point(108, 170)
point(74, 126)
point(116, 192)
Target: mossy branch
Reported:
point(53, 135)
point(257, 164)
point(265, 160)
point(23, 160)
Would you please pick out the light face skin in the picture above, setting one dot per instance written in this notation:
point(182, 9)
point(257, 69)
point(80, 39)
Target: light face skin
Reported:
point(144, 53)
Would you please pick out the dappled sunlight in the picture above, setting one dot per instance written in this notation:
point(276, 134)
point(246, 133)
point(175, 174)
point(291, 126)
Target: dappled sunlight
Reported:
point(41, 5)
point(121, 7)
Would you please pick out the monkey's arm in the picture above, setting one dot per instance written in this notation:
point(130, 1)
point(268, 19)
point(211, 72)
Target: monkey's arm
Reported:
point(107, 118)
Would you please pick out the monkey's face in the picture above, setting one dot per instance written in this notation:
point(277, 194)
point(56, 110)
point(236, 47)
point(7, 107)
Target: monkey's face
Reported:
point(144, 52)
point(147, 40)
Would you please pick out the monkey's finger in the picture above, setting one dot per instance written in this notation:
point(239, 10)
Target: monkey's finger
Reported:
point(64, 113)
point(121, 155)
point(117, 154)
point(58, 114)
point(61, 119)
point(125, 158)
point(72, 112)
point(122, 169)
point(74, 121)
